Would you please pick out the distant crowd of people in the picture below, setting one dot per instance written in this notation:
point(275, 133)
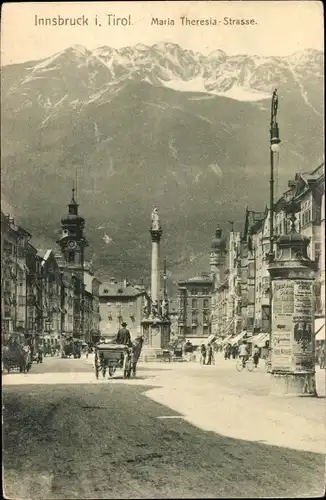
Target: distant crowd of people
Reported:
point(207, 355)
point(243, 352)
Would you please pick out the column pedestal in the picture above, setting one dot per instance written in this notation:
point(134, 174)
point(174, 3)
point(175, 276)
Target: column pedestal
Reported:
point(293, 384)
point(156, 332)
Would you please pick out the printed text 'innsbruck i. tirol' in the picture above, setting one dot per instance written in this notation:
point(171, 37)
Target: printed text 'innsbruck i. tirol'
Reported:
point(113, 20)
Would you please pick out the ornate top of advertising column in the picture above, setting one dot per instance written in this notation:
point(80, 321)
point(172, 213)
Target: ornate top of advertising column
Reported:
point(156, 228)
point(292, 259)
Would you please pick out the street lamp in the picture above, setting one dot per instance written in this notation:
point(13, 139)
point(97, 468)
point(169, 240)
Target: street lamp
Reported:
point(274, 148)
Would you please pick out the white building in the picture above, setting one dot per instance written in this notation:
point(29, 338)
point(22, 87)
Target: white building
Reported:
point(120, 302)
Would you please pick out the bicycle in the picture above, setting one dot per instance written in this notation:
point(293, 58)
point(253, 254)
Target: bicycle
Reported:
point(247, 363)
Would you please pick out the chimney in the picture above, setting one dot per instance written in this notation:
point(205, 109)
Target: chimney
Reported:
point(125, 283)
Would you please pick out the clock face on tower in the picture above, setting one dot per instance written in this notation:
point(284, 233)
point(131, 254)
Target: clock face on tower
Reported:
point(71, 245)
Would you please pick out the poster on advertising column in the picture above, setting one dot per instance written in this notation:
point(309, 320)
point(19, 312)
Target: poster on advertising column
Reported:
point(303, 326)
point(282, 321)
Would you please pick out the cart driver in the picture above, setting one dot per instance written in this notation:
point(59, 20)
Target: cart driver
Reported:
point(124, 337)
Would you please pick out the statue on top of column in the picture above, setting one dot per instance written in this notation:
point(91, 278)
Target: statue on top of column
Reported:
point(156, 225)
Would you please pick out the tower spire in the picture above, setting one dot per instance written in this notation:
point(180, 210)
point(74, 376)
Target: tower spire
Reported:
point(76, 182)
point(73, 192)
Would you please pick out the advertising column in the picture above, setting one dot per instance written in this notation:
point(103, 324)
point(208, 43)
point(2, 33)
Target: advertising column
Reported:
point(292, 338)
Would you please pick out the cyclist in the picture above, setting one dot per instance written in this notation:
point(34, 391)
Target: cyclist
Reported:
point(243, 353)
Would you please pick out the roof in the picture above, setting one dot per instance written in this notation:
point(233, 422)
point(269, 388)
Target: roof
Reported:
point(205, 280)
point(119, 290)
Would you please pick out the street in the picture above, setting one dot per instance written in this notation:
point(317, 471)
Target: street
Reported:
point(177, 430)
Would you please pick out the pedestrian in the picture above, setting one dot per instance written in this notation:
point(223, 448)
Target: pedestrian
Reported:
point(243, 353)
point(213, 355)
point(256, 355)
point(322, 357)
point(202, 354)
point(209, 354)
point(40, 353)
point(234, 351)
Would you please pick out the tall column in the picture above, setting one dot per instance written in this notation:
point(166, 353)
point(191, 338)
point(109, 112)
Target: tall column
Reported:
point(156, 233)
point(155, 272)
point(156, 324)
point(216, 261)
point(292, 321)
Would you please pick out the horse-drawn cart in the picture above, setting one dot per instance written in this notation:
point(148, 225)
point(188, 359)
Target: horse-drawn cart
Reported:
point(16, 357)
point(112, 356)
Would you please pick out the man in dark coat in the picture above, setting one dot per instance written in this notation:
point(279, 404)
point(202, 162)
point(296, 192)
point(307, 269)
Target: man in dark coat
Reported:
point(123, 336)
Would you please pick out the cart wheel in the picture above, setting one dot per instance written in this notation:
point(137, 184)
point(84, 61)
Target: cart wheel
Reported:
point(104, 371)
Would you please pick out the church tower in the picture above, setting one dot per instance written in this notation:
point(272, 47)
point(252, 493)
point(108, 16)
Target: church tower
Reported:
point(73, 241)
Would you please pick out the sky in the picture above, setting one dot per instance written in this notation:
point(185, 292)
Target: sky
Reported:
point(280, 27)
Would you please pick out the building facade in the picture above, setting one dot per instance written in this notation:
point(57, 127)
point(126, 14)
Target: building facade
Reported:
point(255, 276)
point(194, 308)
point(15, 248)
point(243, 294)
point(121, 302)
point(91, 305)
point(46, 294)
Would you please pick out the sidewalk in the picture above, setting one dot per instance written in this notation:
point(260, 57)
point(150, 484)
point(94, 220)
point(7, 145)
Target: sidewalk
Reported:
point(220, 399)
point(240, 407)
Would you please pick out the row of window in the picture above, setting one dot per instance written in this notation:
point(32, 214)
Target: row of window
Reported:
point(199, 291)
point(194, 303)
point(119, 318)
point(195, 330)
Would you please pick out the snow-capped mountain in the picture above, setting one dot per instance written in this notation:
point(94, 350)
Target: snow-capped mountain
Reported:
point(188, 131)
point(241, 77)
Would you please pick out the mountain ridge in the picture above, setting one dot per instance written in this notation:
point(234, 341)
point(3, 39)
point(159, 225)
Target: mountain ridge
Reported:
point(200, 157)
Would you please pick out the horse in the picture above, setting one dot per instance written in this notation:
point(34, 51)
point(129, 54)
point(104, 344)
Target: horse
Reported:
point(137, 345)
point(16, 355)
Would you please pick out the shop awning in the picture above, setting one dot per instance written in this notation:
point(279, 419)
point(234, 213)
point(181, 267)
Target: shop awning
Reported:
point(320, 329)
point(259, 340)
point(226, 340)
point(237, 338)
